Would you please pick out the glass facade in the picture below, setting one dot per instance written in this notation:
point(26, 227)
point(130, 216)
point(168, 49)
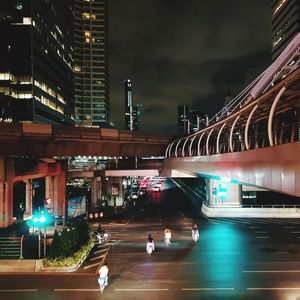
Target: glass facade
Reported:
point(91, 70)
point(36, 61)
point(285, 24)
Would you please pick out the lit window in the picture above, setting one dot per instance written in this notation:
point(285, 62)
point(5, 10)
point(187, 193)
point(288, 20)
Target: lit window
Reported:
point(87, 40)
point(27, 21)
point(87, 33)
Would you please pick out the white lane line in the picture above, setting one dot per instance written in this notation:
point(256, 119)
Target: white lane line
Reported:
point(96, 257)
point(99, 251)
point(101, 245)
point(254, 227)
point(207, 289)
point(91, 266)
point(76, 290)
point(262, 237)
point(20, 290)
point(139, 290)
point(295, 231)
point(271, 271)
point(290, 227)
point(274, 289)
point(260, 231)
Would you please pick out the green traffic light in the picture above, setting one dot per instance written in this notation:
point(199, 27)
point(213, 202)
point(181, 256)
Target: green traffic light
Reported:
point(42, 219)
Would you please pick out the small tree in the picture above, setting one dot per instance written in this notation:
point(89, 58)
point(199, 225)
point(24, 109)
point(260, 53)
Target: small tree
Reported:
point(55, 249)
point(82, 229)
point(68, 242)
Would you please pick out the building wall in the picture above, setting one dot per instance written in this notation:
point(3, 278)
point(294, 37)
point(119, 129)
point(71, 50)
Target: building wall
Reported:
point(285, 24)
point(91, 63)
point(36, 60)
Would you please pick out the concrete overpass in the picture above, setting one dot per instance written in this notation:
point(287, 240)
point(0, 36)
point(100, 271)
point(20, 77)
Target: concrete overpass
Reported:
point(41, 140)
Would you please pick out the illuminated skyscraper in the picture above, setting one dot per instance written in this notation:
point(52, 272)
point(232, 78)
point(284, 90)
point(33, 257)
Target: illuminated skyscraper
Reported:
point(131, 111)
point(92, 105)
point(285, 24)
point(36, 61)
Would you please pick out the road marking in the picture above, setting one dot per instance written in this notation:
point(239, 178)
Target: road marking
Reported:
point(101, 246)
point(91, 266)
point(76, 290)
point(99, 251)
point(21, 290)
point(295, 231)
point(262, 237)
point(207, 289)
point(139, 290)
point(254, 227)
point(271, 271)
point(95, 258)
point(289, 227)
point(275, 289)
point(260, 231)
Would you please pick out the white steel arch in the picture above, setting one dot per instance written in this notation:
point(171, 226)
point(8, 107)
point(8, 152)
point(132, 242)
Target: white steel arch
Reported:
point(218, 138)
point(247, 126)
point(271, 114)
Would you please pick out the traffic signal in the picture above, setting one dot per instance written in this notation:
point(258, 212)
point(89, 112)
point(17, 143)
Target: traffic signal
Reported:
point(39, 219)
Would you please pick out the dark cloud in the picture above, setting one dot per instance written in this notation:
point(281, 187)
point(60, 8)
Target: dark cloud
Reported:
point(184, 52)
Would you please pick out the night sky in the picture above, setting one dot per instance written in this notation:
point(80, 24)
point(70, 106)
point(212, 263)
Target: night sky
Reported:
point(191, 52)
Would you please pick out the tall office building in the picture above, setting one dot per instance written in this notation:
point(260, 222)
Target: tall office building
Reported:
point(36, 61)
point(183, 116)
point(92, 105)
point(285, 24)
point(131, 111)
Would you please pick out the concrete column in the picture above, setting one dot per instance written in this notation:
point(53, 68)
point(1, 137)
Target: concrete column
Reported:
point(59, 194)
point(28, 205)
point(6, 191)
point(49, 187)
point(96, 191)
point(115, 191)
point(232, 197)
point(2, 190)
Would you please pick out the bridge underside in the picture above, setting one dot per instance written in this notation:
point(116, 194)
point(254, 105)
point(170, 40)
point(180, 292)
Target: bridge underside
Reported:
point(274, 168)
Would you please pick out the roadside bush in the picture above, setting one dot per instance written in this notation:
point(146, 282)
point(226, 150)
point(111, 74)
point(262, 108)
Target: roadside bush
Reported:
point(69, 241)
point(55, 249)
point(82, 229)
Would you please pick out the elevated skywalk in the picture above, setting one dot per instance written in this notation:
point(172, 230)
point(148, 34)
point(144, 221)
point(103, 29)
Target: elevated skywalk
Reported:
point(254, 140)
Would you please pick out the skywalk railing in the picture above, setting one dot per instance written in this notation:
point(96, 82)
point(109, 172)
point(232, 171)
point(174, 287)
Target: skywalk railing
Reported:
point(272, 119)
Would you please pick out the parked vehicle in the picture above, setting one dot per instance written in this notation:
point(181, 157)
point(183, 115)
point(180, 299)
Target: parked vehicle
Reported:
point(156, 188)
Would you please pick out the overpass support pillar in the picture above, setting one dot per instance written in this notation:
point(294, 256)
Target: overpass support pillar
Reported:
point(222, 194)
point(6, 191)
point(28, 195)
point(115, 191)
point(96, 191)
point(56, 190)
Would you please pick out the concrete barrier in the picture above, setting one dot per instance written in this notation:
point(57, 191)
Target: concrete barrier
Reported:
point(250, 212)
point(18, 266)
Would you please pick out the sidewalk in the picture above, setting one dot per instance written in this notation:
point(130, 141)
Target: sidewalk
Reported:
point(19, 265)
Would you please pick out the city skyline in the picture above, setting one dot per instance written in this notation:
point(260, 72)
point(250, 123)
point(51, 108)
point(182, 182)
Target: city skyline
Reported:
point(180, 54)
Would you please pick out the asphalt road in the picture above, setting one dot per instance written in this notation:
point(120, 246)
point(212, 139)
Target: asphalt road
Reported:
point(234, 259)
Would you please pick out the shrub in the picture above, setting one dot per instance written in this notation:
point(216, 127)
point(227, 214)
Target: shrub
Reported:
point(69, 241)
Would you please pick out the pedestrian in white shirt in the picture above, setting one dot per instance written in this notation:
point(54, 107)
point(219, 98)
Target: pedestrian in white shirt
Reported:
point(103, 273)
